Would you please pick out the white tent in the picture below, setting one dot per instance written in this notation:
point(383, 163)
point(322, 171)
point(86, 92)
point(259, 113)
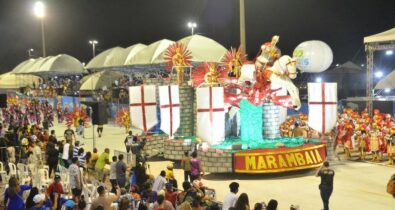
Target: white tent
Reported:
point(153, 53)
point(381, 37)
point(204, 49)
point(131, 51)
point(110, 57)
point(387, 82)
point(13, 81)
point(61, 64)
point(100, 79)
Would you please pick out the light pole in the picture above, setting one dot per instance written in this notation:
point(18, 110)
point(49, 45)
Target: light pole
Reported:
point(93, 43)
point(29, 52)
point(39, 11)
point(192, 25)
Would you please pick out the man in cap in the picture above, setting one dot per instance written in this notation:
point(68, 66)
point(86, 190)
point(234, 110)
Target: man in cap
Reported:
point(55, 189)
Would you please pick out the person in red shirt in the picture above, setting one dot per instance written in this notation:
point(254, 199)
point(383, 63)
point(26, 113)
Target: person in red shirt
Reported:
point(170, 195)
point(55, 188)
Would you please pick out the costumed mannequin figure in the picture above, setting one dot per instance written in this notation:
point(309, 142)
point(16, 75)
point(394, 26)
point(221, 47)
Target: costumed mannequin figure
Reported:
point(178, 57)
point(211, 77)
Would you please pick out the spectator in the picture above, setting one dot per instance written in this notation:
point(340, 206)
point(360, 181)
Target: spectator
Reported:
point(54, 190)
point(121, 171)
point(272, 205)
point(81, 128)
point(52, 158)
point(170, 195)
point(188, 195)
point(75, 179)
point(159, 182)
point(82, 157)
point(186, 166)
point(29, 201)
point(196, 204)
point(242, 202)
point(65, 153)
point(41, 203)
point(124, 204)
point(13, 194)
point(196, 167)
point(11, 152)
point(170, 175)
point(105, 200)
point(95, 157)
point(231, 198)
point(113, 174)
point(148, 194)
point(76, 148)
point(163, 204)
point(101, 162)
point(52, 137)
point(134, 192)
point(258, 206)
point(36, 157)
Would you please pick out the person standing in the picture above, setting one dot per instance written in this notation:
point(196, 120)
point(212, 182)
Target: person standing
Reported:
point(69, 134)
point(65, 153)
point(101, 162)
point(52, 137)
point(100, 129)
point(326, 185)
point(13, 194)
point(159, 182)
point(113, 174)
point(196, 167)
point(105, 200)
point(129, 141)
point(52, 158)
point(231, 198)
point(186, 166)
point(75, 179)
point(121, 172)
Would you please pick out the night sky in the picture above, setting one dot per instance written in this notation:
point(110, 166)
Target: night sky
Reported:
point(69, 24)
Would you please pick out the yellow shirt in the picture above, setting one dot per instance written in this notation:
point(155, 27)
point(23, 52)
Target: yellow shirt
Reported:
point(169, 174)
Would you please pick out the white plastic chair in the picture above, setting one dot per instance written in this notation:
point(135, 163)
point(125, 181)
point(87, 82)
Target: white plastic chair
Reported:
point(23, 169)
point(3, 173)
point(13, 169)
point(44, 177)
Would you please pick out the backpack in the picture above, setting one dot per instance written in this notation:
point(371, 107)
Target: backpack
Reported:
point(391, 185)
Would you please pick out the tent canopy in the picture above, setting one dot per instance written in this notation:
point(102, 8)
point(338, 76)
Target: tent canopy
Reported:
point(131, 51)
point(153, 53)
point(347, 67)
point(61, 64)
point(14, 81)
point(106, 58)
point(100, 79)
point(387, 82)
point(381, 37)
point(203, 49)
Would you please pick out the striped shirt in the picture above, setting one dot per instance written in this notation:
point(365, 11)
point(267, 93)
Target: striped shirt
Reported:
point(75, 151)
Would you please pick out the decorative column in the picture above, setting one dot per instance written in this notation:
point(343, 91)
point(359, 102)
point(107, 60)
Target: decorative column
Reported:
point(271, 121)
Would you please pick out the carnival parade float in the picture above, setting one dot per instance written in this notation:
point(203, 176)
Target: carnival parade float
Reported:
point(235, 112)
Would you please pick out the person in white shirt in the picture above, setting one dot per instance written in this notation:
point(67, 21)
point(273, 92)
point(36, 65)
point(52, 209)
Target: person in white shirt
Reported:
point(231, 198)
point(159, 182)
point(65, 154)
point(113, 174)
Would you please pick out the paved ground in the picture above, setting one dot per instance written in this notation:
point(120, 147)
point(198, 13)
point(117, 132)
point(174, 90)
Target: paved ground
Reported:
point(358, 185)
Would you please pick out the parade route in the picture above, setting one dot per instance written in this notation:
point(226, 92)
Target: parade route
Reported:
point(357, 185)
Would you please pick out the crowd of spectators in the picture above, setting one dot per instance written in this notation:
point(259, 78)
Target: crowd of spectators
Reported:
point(78, 179)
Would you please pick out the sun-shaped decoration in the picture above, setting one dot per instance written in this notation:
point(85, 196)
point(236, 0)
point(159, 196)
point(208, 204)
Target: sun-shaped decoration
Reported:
point(233, 60)
point(73, 117)
point(123, 118)
point(178, 57)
